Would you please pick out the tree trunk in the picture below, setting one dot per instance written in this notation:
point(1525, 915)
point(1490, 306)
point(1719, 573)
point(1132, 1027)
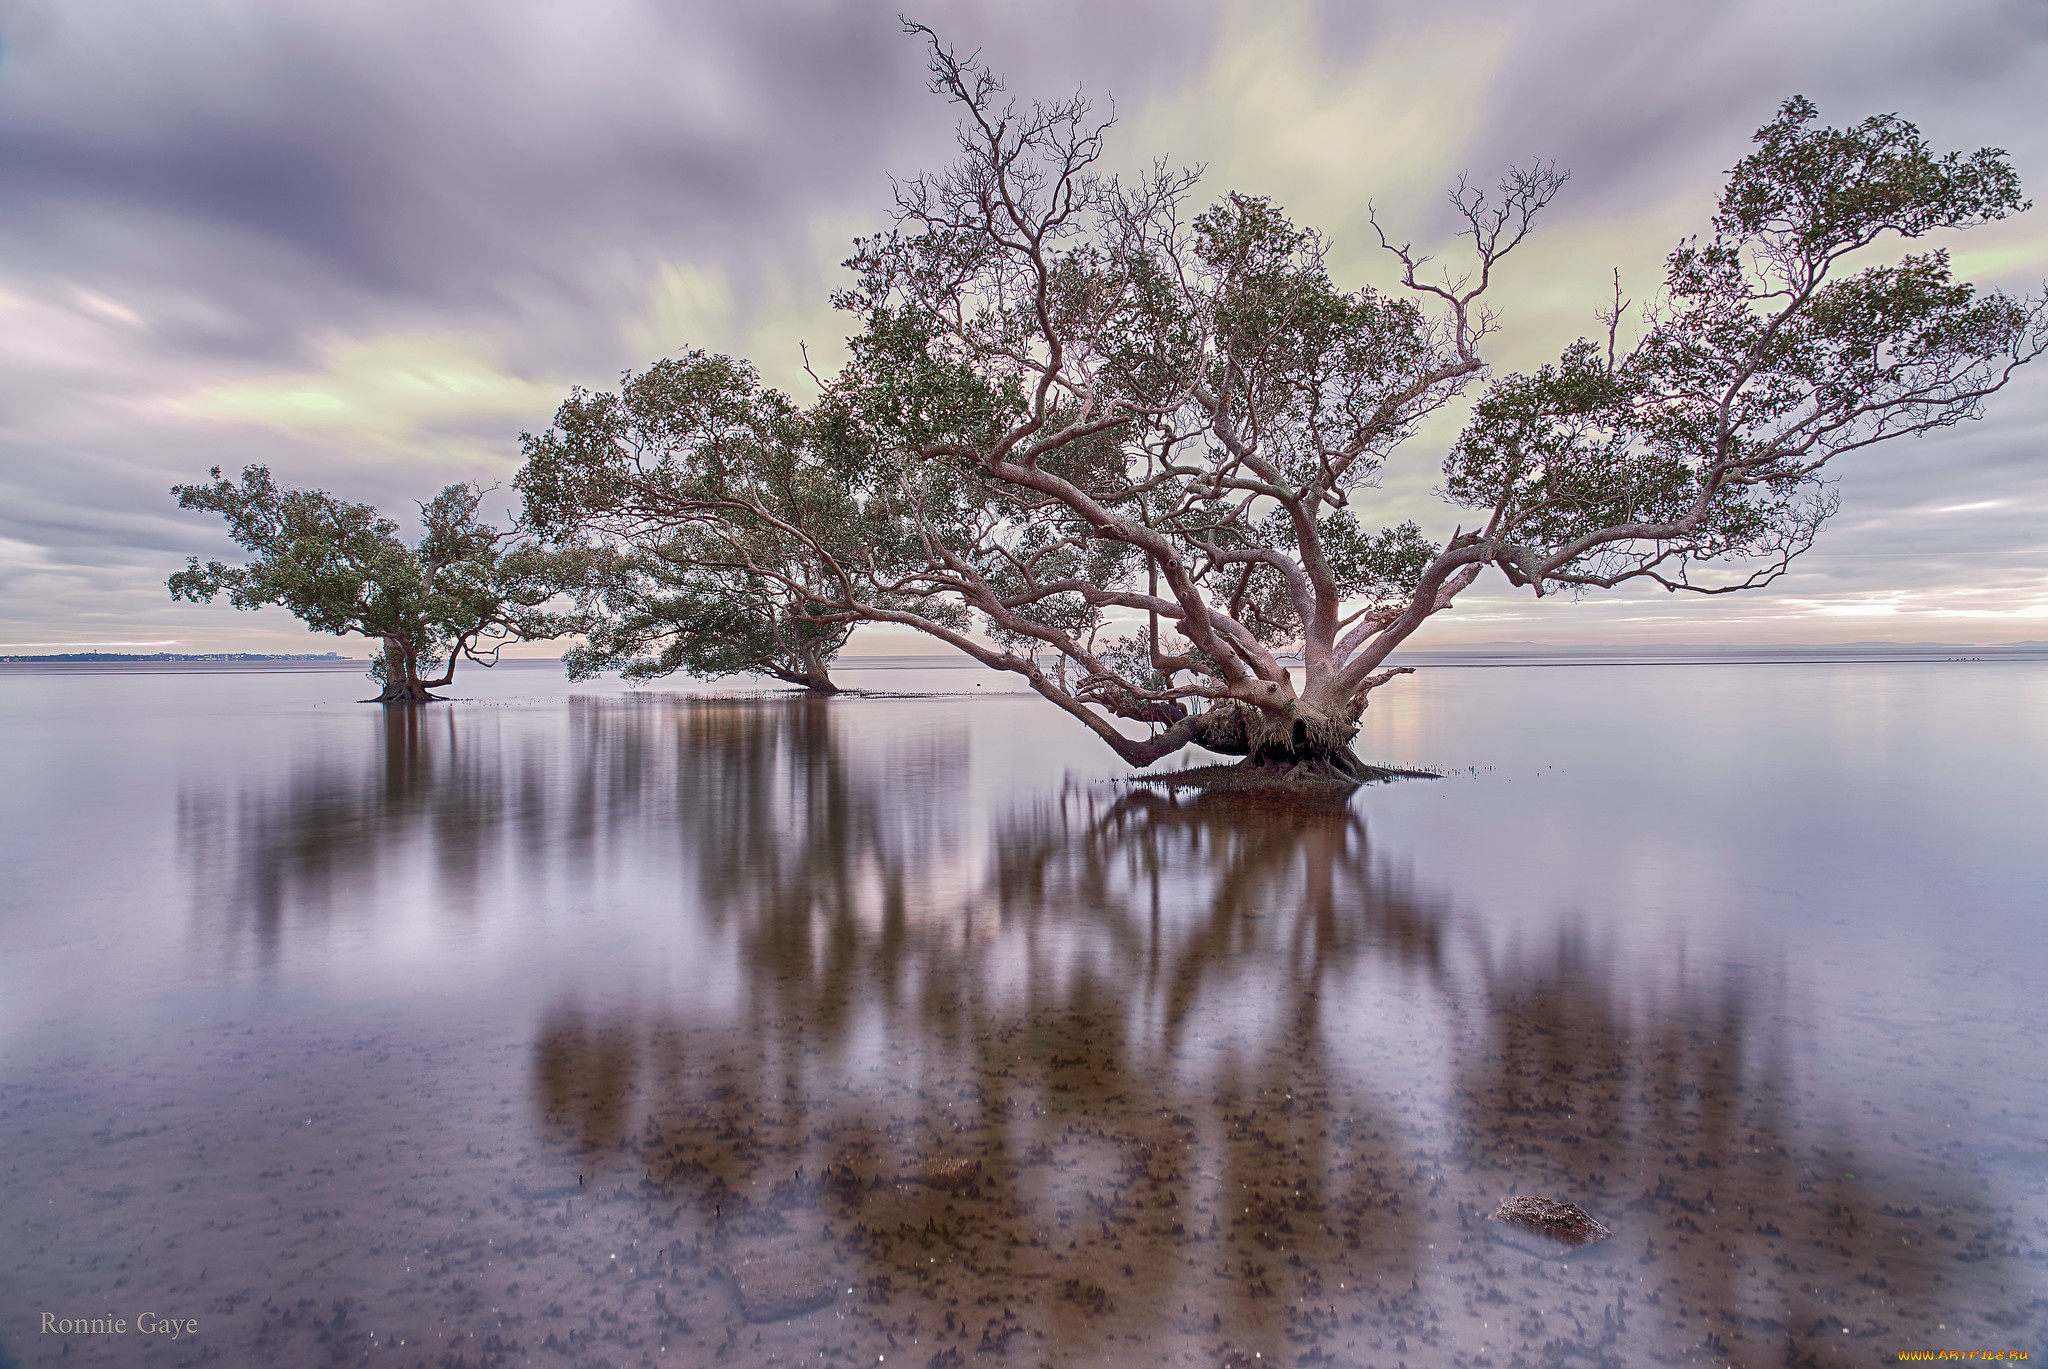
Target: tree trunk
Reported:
point(813, 673)
point(402, 683)
point(1301, 745)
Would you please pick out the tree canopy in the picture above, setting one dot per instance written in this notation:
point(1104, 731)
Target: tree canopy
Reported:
point(462, 591)
point(709, 521)
point(1075, 402)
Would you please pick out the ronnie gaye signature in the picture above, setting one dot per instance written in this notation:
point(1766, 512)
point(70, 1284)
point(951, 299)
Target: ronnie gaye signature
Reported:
point(142, 1324)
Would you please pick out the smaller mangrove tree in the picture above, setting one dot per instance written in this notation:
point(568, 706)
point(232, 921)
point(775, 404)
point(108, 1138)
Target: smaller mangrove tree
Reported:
point(461, 592)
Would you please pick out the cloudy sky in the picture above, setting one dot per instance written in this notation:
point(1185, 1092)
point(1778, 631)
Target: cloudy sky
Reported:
point(369, 243)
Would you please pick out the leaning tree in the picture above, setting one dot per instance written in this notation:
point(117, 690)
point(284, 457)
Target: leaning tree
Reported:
point(462, 591)
point(667, 605)
point(1137, 447)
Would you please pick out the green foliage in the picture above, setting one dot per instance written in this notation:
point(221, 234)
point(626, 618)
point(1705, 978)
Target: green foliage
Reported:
point(1314, 374)
point(697, 428)
point(724, 524)
point(1820, 192)
point(461, 591)
point(1705, 444)
point(660, 608)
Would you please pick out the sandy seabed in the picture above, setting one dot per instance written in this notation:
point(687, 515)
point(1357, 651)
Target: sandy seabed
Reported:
point(589, 1200)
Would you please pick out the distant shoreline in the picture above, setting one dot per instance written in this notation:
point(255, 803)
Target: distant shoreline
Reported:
point(200, 665)
point(164, 657)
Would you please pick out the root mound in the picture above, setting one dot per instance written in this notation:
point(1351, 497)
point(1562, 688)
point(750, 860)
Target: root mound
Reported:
point(1302, 780)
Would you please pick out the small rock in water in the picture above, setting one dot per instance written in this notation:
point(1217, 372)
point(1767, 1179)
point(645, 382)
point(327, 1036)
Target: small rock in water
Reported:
point(1543, 1228)
point(774, 1287)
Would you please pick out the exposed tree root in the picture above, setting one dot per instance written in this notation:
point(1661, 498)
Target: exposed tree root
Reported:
point(415, 694)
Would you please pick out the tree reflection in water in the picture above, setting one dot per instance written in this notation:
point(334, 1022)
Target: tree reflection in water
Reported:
point(333, 839)
point(1146, 1081)
point(1103, 1070)
point(1755, 1224)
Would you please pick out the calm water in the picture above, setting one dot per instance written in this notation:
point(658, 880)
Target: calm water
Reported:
point(537, 1027)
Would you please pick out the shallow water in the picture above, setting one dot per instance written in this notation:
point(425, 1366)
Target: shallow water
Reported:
point(531, 1028)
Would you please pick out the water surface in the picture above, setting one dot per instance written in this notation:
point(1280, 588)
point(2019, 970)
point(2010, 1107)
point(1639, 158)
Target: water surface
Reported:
point(510, 1031)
